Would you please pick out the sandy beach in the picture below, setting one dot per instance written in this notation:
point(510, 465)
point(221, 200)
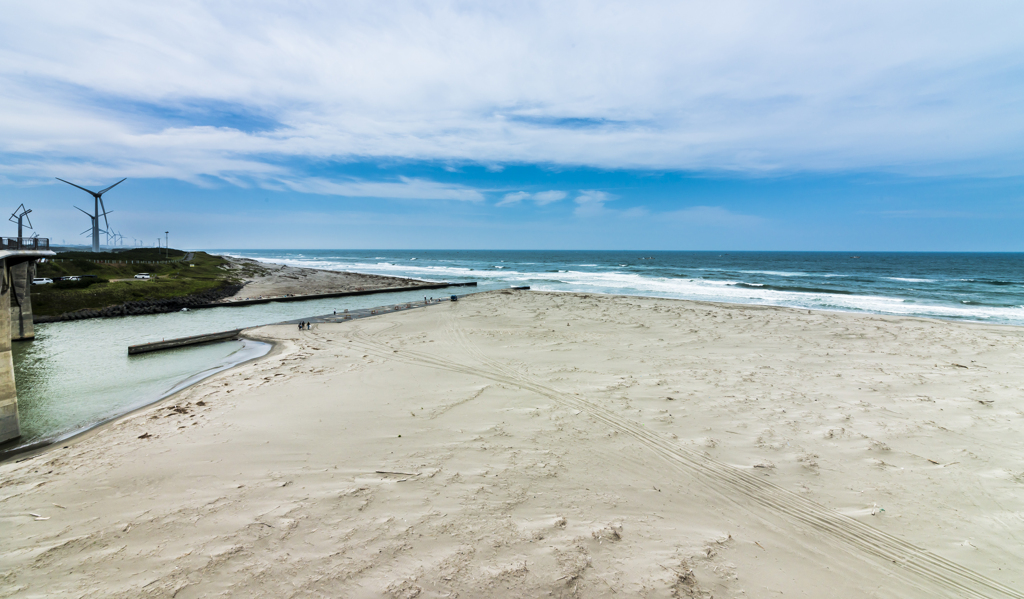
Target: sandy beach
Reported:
point(264, 279)
point(525, 444)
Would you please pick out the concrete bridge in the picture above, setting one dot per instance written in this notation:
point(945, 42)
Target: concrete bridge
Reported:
point(18, 257)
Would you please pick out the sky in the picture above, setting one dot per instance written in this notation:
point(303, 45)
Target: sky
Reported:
point(724, 125)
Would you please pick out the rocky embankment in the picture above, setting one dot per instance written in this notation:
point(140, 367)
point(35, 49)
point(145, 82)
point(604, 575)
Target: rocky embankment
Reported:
point(158, 306)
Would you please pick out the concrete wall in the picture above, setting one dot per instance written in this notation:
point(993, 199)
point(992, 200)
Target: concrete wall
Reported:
point(9, 426)
point(21, 300)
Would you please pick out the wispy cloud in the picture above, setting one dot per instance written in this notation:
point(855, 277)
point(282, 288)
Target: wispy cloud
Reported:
point(711, 216)
point(513, 198)
point(744, 86)
point(547, 197)
point(541, 198)
point(591, 203)
point(405, 189)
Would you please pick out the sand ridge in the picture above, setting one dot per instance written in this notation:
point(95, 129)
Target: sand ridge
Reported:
point(265, 279)
point(529, 444)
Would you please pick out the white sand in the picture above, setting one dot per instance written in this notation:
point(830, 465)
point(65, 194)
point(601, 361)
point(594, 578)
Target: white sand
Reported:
point(553, 445)
point(263, 279)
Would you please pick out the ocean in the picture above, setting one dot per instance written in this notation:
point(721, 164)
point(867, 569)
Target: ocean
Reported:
point(978, 287)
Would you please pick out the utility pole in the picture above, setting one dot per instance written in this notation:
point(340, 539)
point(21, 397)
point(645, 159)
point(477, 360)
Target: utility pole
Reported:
point(167, 248)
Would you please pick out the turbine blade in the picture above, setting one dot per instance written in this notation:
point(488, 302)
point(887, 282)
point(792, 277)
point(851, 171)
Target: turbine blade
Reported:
point(78, 186)
point(112, 186)
point(84, 212)
point(104, 209)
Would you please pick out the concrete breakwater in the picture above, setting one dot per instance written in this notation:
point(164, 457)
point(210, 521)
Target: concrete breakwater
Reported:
point(143, 348)
point(358, 292)
point(344, 316)
point(210, 299)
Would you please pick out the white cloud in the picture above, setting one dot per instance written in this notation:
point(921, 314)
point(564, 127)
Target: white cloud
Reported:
point(541, 198)
point(547, 197)
point(513, 198)
point(405, 188)
point(591, 202)
point(749, 86)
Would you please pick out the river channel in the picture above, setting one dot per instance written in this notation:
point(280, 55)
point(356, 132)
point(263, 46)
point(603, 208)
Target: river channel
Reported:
point(77, 374)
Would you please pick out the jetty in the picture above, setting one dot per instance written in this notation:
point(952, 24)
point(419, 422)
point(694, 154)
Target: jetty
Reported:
point(183, 341)
point(335, 317)
point(315, 296)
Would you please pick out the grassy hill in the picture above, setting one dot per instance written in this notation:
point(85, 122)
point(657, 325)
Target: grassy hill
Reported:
point(108, 278)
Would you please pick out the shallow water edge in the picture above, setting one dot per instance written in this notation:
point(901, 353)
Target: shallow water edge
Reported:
point(251, 349)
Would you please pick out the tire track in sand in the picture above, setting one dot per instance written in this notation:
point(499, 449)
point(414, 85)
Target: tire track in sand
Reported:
point(945, 576)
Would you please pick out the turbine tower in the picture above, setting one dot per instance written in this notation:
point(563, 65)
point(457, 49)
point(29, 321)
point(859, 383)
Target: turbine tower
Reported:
point(20, 215)
point(95, 216)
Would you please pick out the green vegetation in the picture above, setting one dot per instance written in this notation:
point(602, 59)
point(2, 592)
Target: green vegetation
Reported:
point(80, 284)
point(108, 278)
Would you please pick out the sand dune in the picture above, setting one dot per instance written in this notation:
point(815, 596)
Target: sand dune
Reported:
point(521, 444)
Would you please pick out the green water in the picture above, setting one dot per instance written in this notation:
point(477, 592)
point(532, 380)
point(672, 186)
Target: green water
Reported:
point(76, 374)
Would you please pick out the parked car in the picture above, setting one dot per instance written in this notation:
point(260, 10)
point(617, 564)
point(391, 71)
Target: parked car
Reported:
point(142, 275)
point(71, 278)
point(41, 281)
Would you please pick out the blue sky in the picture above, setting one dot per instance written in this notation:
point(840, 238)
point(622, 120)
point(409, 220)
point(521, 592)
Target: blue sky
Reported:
point(643, 125)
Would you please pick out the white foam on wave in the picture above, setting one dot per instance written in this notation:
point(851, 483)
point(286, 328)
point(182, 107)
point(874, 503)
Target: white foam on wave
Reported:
point(631, 283)
point(730, 292)
point(776, 273)
point(908, 280)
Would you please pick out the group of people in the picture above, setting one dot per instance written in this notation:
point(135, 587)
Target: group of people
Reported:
point(305, 326)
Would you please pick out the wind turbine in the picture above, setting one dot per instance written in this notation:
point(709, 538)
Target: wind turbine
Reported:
point(113, 236)
point(95, 216)
point(19, 215)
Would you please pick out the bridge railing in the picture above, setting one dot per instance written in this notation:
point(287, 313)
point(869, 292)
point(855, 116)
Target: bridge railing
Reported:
point(24, 243)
